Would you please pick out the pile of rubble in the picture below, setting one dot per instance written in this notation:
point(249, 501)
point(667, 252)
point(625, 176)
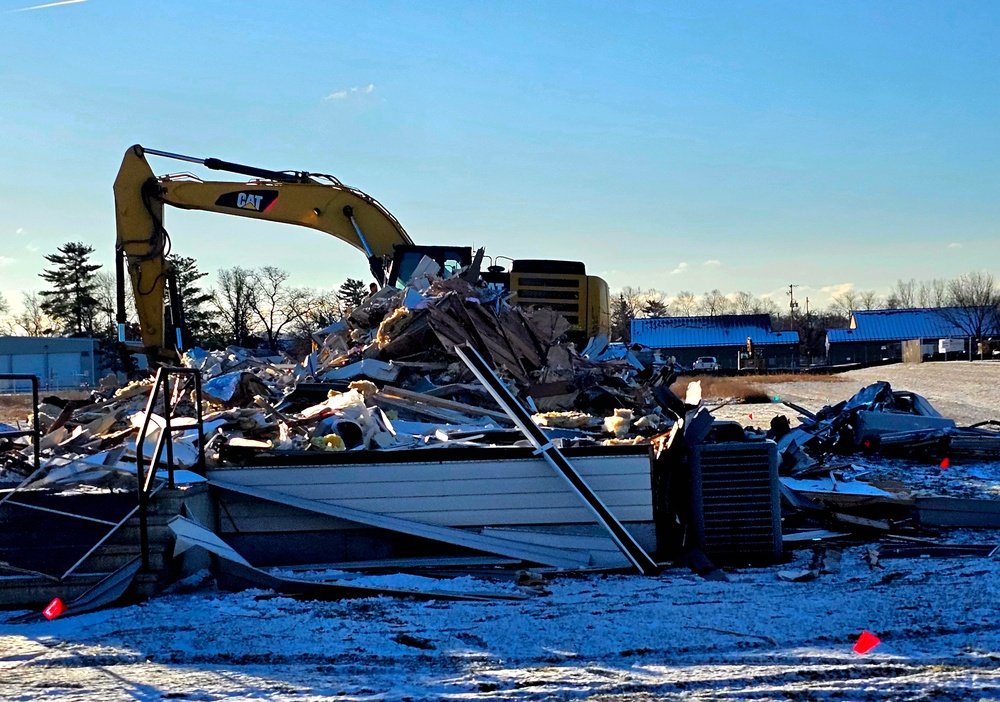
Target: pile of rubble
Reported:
point(389, 378)
point(385, 378)
point(834, 483)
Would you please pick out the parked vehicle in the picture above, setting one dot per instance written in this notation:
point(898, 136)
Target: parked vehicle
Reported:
point(706, 363)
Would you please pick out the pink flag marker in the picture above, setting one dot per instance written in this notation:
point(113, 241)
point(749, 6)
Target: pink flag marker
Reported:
point(55, 608)
point(866, 642)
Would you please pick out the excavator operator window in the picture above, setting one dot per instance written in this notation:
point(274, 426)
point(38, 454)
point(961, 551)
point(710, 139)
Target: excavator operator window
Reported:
point(405, 260)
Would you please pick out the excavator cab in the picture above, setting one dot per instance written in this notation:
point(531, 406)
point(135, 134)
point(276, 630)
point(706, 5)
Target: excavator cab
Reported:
point(406, 258)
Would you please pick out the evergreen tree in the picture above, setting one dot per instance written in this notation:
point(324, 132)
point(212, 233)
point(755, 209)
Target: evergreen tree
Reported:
point(352, 293)
point(196, 302)
point(72, 302)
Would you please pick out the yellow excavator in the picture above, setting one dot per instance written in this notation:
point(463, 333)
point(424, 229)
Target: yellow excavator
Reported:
point(311, 200)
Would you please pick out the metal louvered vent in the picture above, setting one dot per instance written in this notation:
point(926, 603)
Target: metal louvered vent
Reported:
point(736, 504)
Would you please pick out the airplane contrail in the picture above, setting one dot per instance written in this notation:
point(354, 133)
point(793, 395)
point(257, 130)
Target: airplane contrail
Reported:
point(50, 4)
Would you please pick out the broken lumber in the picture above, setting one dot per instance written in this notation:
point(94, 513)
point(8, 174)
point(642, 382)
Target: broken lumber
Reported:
point(421, 398)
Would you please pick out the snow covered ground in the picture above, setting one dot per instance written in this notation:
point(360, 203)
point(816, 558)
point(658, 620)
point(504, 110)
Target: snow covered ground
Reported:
point(601, 638)
point(607, 638)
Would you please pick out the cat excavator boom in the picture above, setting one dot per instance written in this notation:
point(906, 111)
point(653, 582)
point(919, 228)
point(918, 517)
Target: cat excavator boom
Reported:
point(311, 200)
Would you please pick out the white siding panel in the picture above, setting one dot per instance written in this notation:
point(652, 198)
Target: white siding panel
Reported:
point(465, 493)
point(515, 517)
point(490, 467)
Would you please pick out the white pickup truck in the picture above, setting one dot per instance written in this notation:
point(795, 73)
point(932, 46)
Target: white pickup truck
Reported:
point(706, 363)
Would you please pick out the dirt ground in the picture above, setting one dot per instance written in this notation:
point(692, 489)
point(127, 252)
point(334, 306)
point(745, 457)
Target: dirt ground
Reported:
point(14, 408)
point(968, 392)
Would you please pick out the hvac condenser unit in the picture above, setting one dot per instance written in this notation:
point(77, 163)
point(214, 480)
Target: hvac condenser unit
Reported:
point(736, 504)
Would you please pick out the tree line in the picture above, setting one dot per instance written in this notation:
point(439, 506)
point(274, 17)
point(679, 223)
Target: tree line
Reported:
point(246, 307)
point(971, 302)
point(259, 307)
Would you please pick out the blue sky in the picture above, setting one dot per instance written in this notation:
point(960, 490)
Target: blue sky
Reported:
point(730, 145)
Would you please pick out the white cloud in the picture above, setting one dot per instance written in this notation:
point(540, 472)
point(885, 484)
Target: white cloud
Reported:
point(837, 289)
point(681, 268)
point(6, 261)
point(32, 248)
point(347, 92)
point(21, 230)
point(48, 4)
point(954, 245)
point(712, 262)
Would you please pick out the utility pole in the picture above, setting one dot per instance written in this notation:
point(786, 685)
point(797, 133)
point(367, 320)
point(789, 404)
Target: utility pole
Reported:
point(792, 304)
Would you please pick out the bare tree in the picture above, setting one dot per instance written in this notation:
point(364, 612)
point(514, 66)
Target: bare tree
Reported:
point(31, 321)
point(685, 303)
point(932, 293)
point(902, 295)
point(234, 300)
point(279, 306)
point(764, 305)
point(4, 305)
point(326, 310)
point(107, 302)
point(845, 303)
point(744, 302)
point(715, 303)
point(974, 299)
point(869, 300)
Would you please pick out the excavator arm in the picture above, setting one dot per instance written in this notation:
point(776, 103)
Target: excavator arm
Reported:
point(308, 200)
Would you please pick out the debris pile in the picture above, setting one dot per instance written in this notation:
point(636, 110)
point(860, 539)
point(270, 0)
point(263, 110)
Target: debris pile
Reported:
point(390, 377)
point(880, 421)
point(830, 483)
point(387, 378)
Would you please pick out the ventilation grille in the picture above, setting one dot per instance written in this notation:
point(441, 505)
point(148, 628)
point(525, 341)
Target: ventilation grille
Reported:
point(736, 504)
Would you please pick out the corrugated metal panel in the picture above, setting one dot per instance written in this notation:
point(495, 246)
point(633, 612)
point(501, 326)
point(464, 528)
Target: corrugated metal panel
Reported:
point(16, 345)
point(59, 362)
point(901, 325)
point(721, 330)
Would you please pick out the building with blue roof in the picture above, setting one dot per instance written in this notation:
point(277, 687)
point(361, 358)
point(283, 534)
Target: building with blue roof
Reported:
point(877, 335)
point(722, 336)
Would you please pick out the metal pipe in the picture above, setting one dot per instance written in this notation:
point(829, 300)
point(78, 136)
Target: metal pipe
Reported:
point(169, 154)
point(374, 263)
point(201, 423)
point(140, 470)
point(60, 512)
point(37, 438)
point(176, 310)
point(21, 485)
point(167, 430)
point(121, 316)
point(349, 213)
point(104, 538)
